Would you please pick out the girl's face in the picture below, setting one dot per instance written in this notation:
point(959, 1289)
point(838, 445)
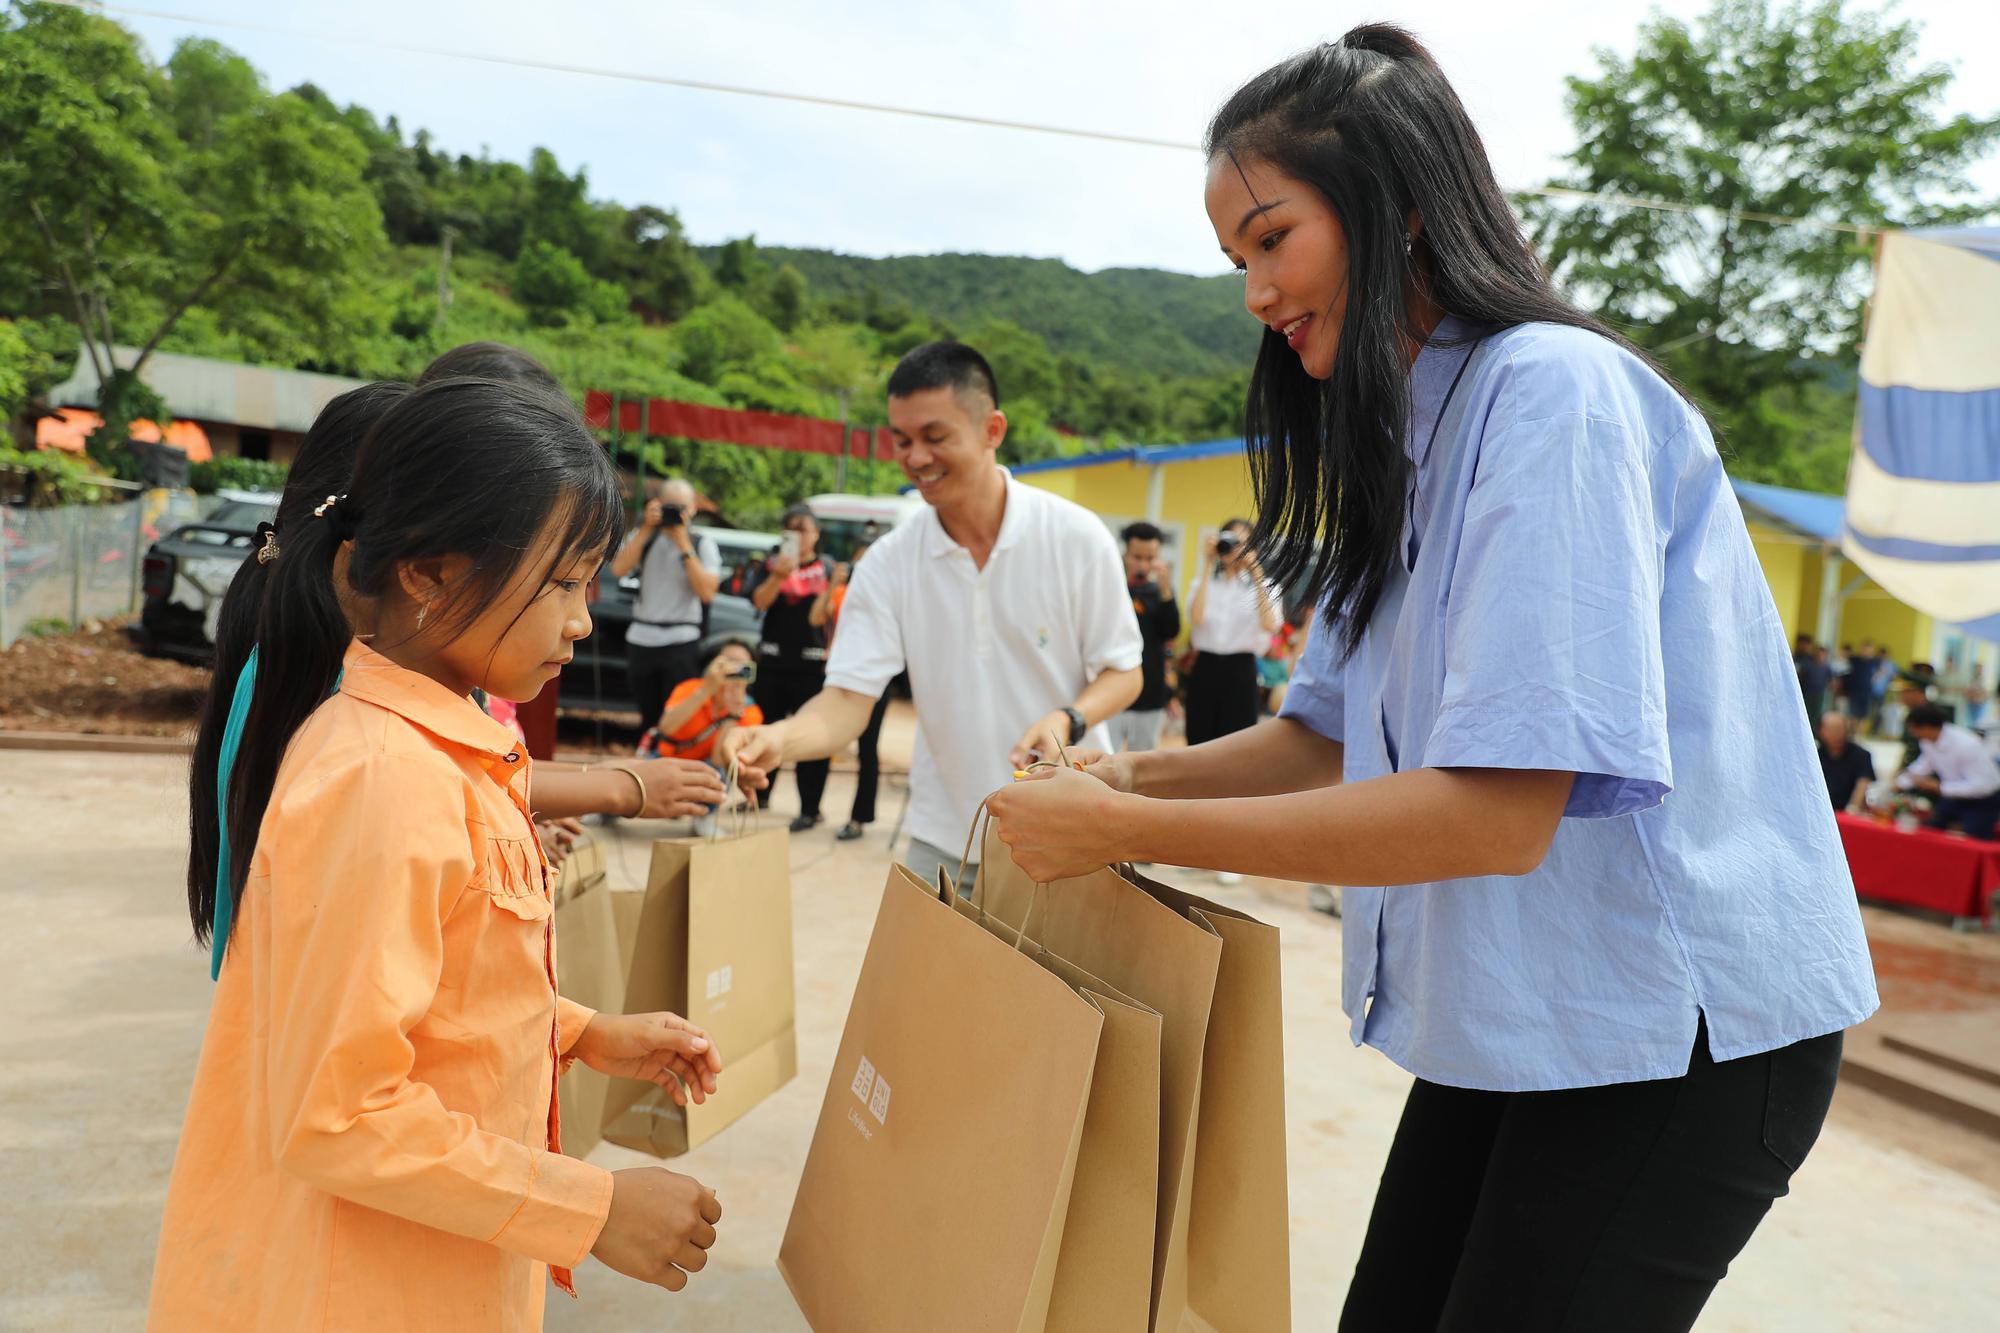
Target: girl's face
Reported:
point(1291, 250)
point(521, 642)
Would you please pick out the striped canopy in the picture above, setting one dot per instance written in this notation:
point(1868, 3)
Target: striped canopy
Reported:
point(1923, 492)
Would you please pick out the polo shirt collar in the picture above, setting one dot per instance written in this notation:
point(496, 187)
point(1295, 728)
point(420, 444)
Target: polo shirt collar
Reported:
point(938, 542)
point(453, 718)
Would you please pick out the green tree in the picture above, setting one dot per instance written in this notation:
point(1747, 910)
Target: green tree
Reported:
point(785, 298)
point(126, 230)
point(726, 334)
point(207, 84)
point(739, 267)
point(1806, 110)
point(554, 285)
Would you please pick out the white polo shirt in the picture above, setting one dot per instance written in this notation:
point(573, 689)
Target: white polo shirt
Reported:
point(990, 652)
point(1230, 621)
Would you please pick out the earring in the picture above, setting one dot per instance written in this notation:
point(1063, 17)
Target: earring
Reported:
point(1409, 239)
point(422, 611)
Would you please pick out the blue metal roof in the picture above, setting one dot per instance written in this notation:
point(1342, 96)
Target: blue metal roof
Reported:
point(1820, 516)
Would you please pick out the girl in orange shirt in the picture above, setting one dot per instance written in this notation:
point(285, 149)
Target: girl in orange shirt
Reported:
point(372, 1140)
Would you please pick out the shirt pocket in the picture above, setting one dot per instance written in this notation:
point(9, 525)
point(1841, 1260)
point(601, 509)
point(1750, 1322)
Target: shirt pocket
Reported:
point(511, 877)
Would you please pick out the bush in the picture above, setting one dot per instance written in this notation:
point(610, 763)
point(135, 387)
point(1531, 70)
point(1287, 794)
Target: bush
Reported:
point(43, 478)
point(554, 285)
point(243, 474)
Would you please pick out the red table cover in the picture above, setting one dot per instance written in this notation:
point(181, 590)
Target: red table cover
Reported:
point(1923, 869)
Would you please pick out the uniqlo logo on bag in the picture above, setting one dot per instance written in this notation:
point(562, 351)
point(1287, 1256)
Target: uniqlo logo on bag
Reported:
point(872, 1091)
point(720, 981)
point(864, 1080)
point(878, 1105)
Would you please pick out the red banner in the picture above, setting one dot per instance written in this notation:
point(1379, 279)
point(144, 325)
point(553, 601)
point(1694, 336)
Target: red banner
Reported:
point(728, 425)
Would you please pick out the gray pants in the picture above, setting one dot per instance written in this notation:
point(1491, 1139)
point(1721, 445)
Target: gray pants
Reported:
point(925, 861)
point(1138, 729)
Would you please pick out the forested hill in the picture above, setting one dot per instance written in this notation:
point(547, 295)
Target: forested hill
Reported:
point(1136, 319)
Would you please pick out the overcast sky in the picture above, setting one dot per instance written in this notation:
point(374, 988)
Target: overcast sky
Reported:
point(878, 185)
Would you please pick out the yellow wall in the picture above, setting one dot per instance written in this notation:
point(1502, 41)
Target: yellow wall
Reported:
point(1784, 561)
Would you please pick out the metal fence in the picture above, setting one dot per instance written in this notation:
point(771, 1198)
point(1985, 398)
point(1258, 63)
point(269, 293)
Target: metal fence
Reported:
point(66, 566)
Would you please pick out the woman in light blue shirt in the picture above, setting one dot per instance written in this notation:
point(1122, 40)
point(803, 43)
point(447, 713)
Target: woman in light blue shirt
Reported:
point(1547, 707)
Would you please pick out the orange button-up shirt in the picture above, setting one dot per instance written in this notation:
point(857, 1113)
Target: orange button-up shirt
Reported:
point(371, 1142)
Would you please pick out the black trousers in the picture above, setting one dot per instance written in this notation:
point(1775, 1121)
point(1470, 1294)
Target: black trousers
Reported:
point(652, 674)
point(1221, 695)
point(870, 777)
point(1585, 1209)
point(1973, 816)
point(780, 694)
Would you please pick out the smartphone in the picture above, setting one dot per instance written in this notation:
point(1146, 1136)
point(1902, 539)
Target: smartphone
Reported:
point(788, 546)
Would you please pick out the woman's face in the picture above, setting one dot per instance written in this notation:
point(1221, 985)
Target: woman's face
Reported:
point(1291, 250)
point(521, 642)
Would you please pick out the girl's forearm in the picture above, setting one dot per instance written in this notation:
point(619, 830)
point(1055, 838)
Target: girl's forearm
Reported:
point(1280, 756)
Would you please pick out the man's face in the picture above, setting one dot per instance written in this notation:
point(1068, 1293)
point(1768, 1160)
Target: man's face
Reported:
point(1924, 733)
point(1833, 730)
point(1912, 697)
point(1140, 558)
point(945, 440)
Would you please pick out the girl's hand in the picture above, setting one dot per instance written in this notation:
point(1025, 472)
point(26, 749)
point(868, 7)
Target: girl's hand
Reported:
point(1058, 823)
point(678, 788)
point(657, 1048)
point(660, 1226)
point(557, 837)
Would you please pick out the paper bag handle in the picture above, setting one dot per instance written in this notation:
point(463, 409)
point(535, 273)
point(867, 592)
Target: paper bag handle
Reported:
point(982, 818)
point(745, 810)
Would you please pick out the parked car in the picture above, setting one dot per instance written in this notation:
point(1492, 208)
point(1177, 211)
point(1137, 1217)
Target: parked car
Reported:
point(594, 681)
point(187, 571)
point(845, 519)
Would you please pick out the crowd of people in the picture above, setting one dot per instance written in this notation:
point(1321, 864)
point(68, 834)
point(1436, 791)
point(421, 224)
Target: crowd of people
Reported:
point(1944, 719)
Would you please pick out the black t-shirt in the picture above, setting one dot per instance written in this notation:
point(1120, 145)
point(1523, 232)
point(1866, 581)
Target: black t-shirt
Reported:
point(1159, 625)
point(1853, 765)
point(790, 643)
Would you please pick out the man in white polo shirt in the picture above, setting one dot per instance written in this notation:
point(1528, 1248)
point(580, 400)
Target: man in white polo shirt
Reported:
point(1006, 604)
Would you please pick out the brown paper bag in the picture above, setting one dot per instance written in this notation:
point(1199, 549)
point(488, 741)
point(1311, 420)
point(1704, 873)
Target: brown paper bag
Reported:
point(590, 972)
point(1104, 1274)
point(1239, 1232)
point(939, 1179)
point(1170, 959)
point(713, 944)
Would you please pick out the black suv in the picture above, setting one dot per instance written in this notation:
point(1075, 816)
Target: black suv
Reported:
point(187, 571)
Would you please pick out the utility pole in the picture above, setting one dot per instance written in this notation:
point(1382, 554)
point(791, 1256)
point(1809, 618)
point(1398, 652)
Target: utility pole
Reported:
point(444, 276)
point(840, 459)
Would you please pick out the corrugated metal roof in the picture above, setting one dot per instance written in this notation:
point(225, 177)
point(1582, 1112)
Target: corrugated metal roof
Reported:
point(203, 389)
point(1141, 456)
point(1804, 512)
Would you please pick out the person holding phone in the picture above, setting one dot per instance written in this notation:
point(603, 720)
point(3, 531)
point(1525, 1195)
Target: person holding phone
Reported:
point(678, 577)
point(794, 591)
point(1233, 612)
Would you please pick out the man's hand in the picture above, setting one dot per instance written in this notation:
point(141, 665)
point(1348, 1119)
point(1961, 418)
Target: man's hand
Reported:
point(1046, 740)
point(660, 1227)
point(717, 672)
point(756, 752)
point(657, 1048)
point(655, 515)
point(1927, 784)
point(783, 566)
point(679, 535)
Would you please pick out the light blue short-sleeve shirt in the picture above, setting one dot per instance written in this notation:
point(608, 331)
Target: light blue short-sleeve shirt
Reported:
point(1577, 592)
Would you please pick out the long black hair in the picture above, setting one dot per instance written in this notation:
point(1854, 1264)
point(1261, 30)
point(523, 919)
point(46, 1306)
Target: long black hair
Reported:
point(324, 463)
point(467, 467)
point(1371, 123)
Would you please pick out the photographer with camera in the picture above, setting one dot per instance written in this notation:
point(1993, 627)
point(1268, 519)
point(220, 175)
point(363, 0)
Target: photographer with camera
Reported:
point(794, 592)
point(1233, 612)
point(678, 578)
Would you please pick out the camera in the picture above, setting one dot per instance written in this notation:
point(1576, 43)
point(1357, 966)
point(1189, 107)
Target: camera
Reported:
point(745, 673)
point(671, 516)
point(1226, 544)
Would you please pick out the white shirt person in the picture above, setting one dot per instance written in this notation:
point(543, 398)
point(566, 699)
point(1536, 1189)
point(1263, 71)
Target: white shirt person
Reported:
point(1007, 605)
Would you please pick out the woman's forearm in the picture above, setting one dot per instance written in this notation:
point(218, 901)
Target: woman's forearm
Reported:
point(1407, 828)
point(1279, 756)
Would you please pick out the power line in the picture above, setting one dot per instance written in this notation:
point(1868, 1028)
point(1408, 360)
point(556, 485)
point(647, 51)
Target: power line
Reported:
point(921, 113)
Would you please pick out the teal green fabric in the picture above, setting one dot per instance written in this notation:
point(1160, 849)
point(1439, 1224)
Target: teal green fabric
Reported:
point(225, 765)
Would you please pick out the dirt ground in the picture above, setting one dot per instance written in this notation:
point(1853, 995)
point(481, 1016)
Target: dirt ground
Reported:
point(96, 681)
point(1893, 1223)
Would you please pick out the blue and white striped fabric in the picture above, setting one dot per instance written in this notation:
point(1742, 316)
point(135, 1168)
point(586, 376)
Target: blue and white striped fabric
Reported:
point(1923, 492)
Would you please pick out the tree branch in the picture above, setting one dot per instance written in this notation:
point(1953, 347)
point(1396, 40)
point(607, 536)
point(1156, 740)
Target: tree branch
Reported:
point(192, 299)
point(73, 287)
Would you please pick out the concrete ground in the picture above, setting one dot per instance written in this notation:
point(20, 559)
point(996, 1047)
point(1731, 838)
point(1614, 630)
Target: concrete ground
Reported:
point(1894, 1223)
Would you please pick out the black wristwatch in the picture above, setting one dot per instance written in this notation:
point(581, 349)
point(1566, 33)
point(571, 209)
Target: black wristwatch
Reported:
point(1077, 724)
